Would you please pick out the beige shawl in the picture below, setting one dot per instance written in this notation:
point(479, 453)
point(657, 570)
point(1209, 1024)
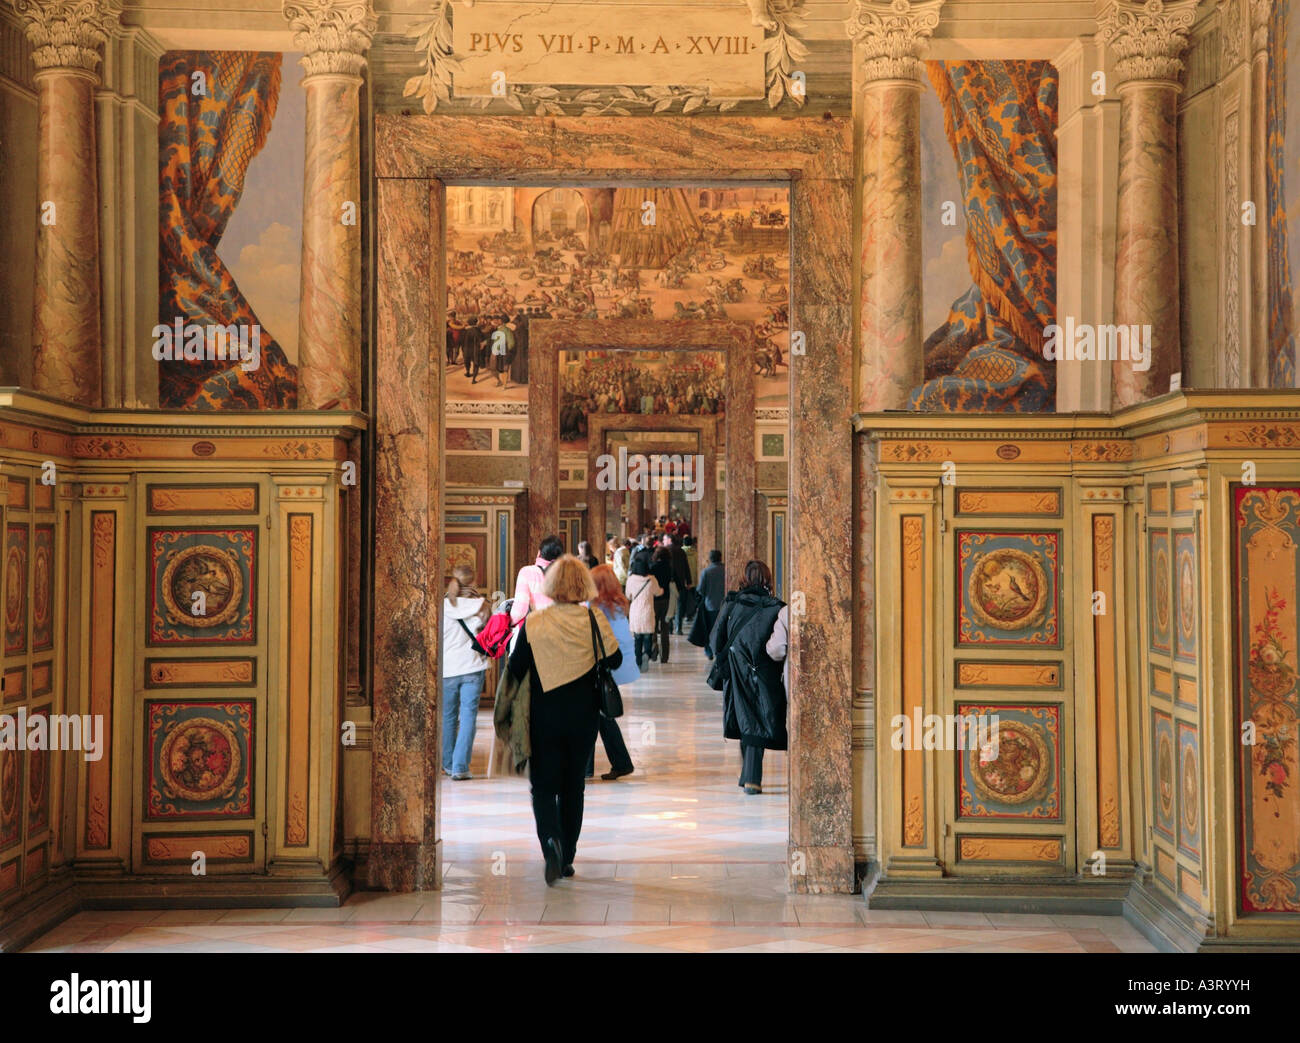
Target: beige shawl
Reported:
point(560, 637)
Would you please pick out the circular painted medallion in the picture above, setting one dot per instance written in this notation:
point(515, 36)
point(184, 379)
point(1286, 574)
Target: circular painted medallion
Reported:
point(210, 570)
point(41, 585)
point(8, 788)
point(1190, 815)
point(1186, 596)
point(1008, 589)
point(199, 760)
point(1015, 768)
point(15, 592)
point(1165, 775)
point(1161, 573)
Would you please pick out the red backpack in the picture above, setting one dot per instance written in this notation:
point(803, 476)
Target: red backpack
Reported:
point(494, 638)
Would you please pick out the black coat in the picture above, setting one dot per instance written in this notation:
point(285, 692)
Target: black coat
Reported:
point(753, 693)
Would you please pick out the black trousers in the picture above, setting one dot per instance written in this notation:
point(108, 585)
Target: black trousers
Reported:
point(563, 734)
point(662, 627)
point(683, 613)
point(751, 768)
point(641, 644)
point(611, 735)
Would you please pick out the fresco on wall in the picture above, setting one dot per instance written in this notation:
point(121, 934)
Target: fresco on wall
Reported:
point(230, 142)
point(984, 349)
point(520, 254)
point(658, 383)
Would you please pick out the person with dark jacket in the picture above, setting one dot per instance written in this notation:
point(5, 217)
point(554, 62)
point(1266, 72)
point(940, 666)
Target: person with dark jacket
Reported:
point(471, 345)
point(557, 650)
point(709, 593)
point(661, 568)
point(684, 580)
point(753, 693)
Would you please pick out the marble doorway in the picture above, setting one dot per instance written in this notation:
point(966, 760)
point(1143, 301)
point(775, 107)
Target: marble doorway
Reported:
point(415, 159)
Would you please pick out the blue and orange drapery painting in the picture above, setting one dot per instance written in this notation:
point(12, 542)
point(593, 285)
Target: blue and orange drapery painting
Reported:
point(1000, 118)
point(216, 109)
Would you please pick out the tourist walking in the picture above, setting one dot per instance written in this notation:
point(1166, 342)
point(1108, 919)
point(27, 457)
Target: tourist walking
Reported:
point(611, 600)
point(642, 588)
point(753, 693)
point(661, 567)
point(528, 584)
point(709, 592)
point(464, 611)
point(556, 649)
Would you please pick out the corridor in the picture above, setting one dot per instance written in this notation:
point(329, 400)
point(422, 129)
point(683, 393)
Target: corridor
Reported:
point(672, 858)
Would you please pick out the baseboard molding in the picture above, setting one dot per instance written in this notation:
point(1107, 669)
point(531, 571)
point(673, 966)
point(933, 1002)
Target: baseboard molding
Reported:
point(65, 894)
point(39, 912)
point(1084, 897)
point(1166, 924)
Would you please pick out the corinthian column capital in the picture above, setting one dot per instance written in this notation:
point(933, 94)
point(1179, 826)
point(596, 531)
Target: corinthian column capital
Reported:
point(1261, 11)
point(67, 34)
point(1148, 38)
point(332, 34)
point(892, 35)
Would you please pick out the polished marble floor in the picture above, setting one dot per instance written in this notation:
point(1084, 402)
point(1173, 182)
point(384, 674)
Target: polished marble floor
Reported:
point(674, 857)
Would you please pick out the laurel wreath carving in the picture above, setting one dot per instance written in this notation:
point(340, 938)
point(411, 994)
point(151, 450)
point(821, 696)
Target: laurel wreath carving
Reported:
point(782, 46)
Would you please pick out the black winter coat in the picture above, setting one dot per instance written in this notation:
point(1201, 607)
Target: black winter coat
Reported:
point(753, 693)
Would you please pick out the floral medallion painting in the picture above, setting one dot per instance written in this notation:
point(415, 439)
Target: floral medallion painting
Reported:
point(1017, 773)
point(200, 760)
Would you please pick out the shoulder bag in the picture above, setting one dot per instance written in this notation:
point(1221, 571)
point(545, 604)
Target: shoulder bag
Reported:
point(611, 699)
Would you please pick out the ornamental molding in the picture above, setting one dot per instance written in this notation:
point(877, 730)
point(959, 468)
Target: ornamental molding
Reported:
point(1261, 12)
point(1232, 33)
point(333, 35)
point(67, 34)
point(892, 35)
point(1148, 39)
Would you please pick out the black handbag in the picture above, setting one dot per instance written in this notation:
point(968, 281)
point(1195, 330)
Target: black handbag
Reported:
point(611, 699)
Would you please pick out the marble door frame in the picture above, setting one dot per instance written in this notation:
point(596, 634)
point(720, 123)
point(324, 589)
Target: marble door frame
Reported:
point(548, 337)
point(416, 157)
point(705, 429)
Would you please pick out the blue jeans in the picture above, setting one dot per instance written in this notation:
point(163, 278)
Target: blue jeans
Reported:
point(459, 701)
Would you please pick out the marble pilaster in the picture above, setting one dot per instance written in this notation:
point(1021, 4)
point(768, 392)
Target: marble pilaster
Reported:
point(334, 35)
point(1260, 13)
point(1148, 40)
point(890, 38)
point(66, 38)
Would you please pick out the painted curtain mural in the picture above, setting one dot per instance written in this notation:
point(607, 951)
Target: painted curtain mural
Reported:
point(1267, 554)
point(216, 110)
point(1000, 120)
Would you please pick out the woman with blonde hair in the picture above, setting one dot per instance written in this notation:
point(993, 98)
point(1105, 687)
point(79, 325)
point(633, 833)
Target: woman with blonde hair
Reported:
point(464, 611)
point(611, 600)
point(558, 648)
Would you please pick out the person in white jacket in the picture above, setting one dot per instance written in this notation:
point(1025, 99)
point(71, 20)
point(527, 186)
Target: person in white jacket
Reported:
point(464, 611)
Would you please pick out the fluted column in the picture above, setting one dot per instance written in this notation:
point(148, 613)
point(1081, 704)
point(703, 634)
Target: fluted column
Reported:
point(1148, 40)
point(66, 36)
point(890, 39)
point(1260, 12)
point(334, 36)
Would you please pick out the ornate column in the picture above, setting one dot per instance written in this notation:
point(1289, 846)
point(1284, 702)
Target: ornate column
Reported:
point(890, 38)
point(1260, 13)
point(66, 36)
point(1148, 40)
point(334, 35)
